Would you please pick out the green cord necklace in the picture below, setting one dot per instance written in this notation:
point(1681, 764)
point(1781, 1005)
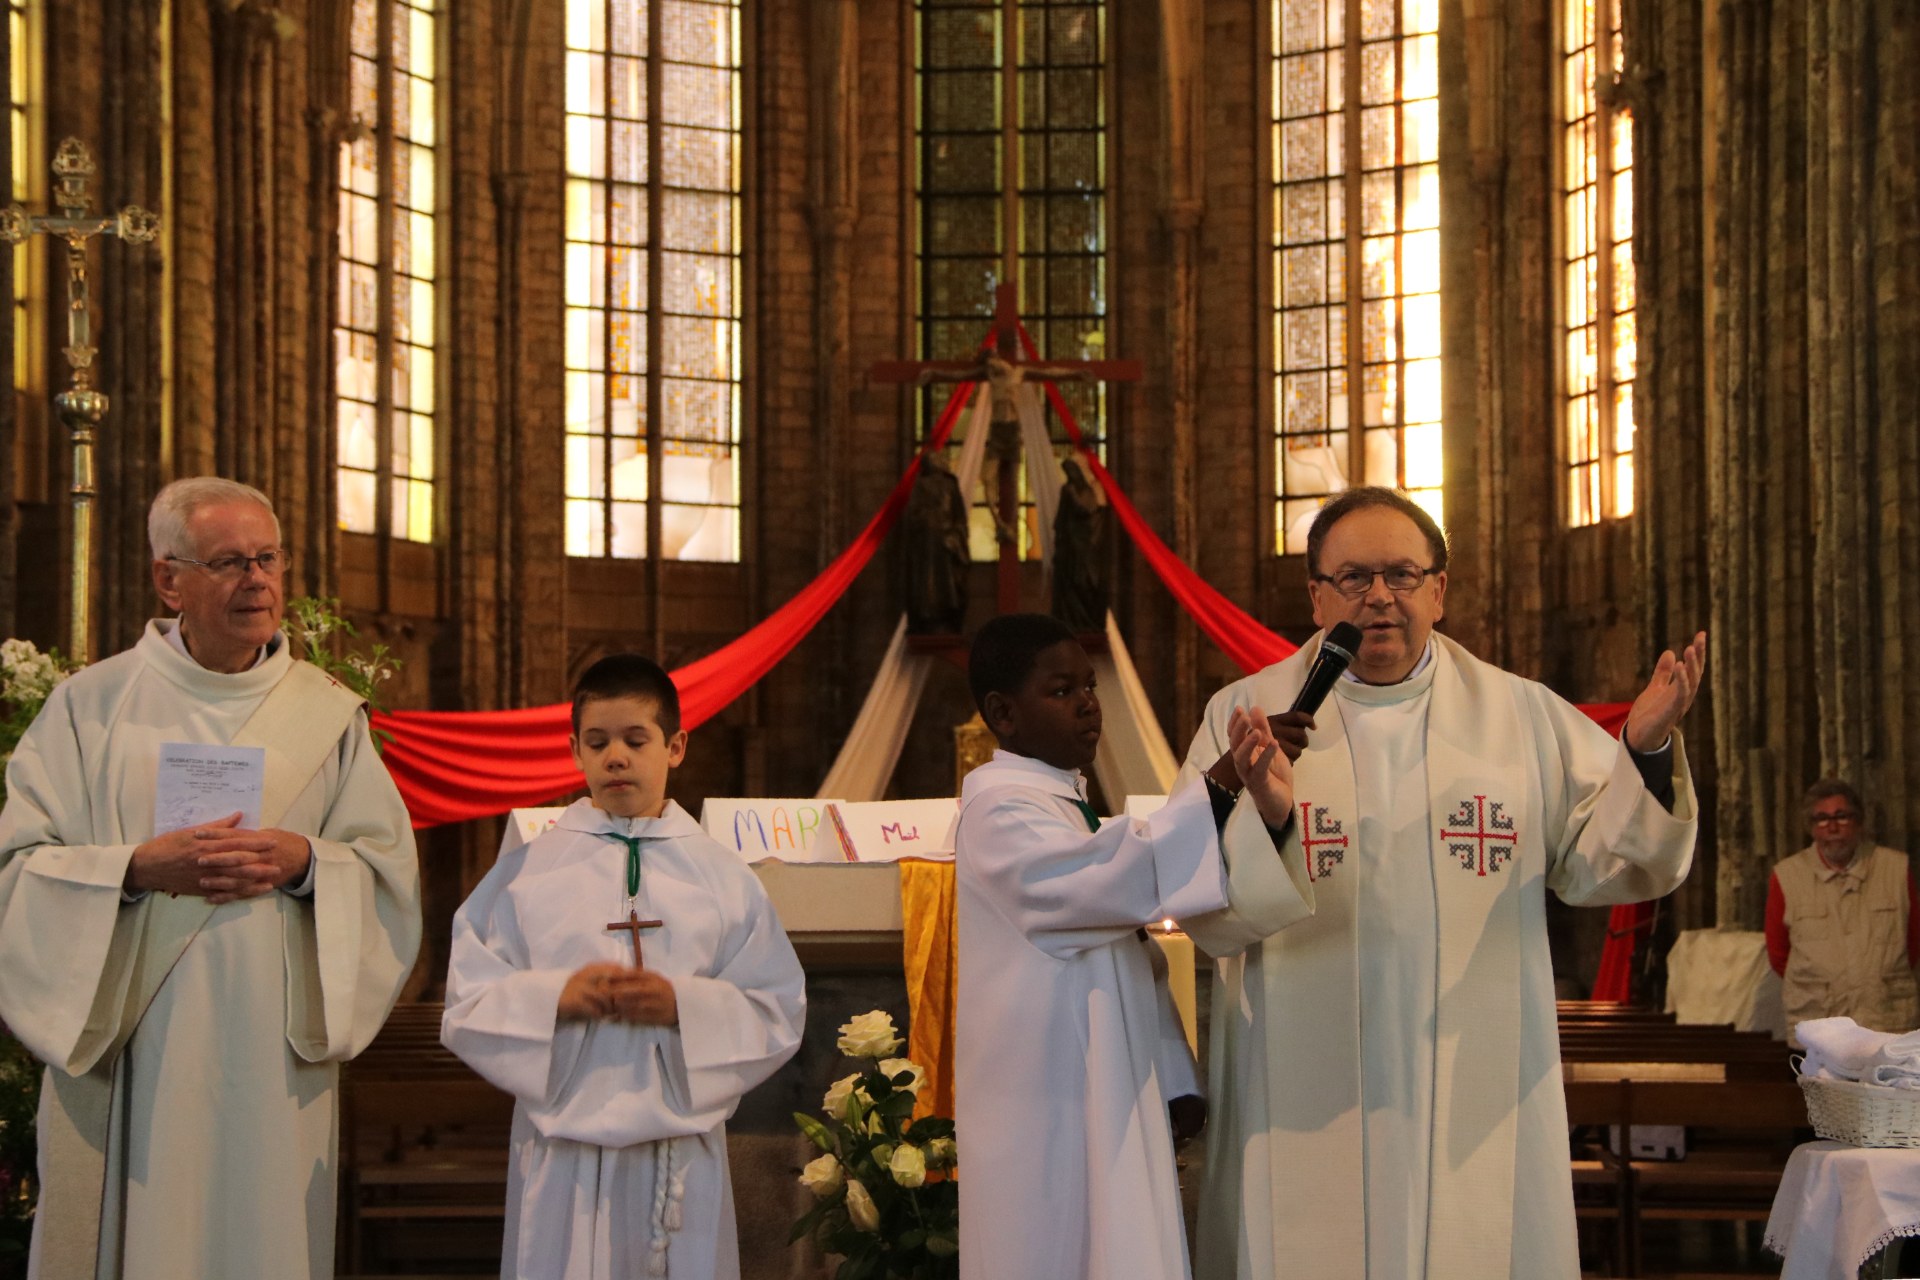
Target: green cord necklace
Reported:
point(633, 865)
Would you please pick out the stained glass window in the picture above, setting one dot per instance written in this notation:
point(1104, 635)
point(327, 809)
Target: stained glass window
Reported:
point(1600, 293)
point(384, 338)
point(1058, 210)
point(653, 277)
point(29, 168)
point(1356, 253)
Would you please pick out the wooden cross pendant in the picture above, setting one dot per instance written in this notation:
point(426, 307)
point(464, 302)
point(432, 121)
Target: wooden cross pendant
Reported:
point(632, 926)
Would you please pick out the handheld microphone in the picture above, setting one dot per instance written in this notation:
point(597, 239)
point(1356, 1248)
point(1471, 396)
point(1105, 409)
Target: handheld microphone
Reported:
point(1335, 656)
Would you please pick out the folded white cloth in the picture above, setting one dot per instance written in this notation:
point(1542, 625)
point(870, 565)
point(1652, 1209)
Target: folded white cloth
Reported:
point(1897, 1063)
point(1838, 1048)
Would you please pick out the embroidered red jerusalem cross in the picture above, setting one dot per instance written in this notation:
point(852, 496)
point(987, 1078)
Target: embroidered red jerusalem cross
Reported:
point(1322, 840)
point(1490, 823)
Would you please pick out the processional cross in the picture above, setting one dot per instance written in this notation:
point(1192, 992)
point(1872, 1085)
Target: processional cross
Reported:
point(81, 406)
point(1006, 351)
point(632, 926)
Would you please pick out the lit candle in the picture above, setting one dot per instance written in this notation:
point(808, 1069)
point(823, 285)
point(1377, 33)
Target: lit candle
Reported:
point(1178, 948)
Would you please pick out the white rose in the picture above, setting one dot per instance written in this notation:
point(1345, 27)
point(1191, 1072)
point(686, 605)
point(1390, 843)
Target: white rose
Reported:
point(894, 1066)
point(835, 1103)
point(871, 1035)
point(908, 1166)
point(860, 1206)
point(823, 1176)
point(941, 1153)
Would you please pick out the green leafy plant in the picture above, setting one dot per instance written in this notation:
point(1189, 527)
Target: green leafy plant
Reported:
point(314, 623)
point(19, 1097)
point(317, 627)
point(884, 1195)
point(27, 676)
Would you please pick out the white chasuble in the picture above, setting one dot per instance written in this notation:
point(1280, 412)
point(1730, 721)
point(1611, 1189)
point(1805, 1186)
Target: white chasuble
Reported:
point(187, 1126)
point(619, 1160)
point(1385, 1075)
point(1066, 1052)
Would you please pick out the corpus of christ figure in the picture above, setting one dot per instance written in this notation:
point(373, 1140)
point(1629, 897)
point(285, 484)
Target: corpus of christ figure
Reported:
point(1000, 366)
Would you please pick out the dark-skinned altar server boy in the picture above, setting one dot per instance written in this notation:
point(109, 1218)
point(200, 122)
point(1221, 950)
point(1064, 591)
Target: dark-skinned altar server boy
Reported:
point(1067, 1054)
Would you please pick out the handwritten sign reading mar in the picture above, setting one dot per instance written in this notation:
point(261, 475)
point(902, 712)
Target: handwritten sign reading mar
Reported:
point(885, 830)
point(790, 830)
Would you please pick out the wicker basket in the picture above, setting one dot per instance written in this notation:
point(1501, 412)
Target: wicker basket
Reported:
point(1866, 1115)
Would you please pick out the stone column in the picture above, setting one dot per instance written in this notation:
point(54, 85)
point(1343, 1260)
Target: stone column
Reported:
point(1183, 207)
point(1665, 92)
point(1812, 458)
point(833, 200)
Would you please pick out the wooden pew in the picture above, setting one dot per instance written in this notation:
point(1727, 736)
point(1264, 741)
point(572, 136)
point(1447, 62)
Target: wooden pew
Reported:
point(423, 1140)
point(1734, 1092)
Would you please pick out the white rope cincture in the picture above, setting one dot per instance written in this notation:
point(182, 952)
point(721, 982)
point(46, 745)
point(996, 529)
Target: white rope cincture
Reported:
point(669, 1193)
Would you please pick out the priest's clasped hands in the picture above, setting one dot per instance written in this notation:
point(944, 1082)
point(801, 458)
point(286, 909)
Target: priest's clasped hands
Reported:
point(619, 993)
point(220, 861)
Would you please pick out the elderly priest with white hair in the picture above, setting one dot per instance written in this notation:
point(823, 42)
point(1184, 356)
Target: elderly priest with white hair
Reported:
point(193, 991)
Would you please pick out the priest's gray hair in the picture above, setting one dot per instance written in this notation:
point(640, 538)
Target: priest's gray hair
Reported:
point(174, 506)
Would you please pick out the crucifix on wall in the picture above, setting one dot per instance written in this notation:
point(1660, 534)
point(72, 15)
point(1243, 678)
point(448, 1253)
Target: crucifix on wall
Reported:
point(1003, 371)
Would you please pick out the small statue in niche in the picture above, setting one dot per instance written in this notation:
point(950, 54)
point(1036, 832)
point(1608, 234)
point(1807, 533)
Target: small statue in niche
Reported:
point(1082, 550)
point(938, 558)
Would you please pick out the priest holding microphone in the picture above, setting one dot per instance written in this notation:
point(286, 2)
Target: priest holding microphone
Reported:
point(1385, 1073)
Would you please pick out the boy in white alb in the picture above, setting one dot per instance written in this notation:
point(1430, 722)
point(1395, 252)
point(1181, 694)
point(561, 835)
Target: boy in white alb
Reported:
point(1062, 1068)
point(626, 979)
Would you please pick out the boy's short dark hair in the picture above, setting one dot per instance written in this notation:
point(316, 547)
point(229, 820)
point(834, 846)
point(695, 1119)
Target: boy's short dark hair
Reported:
point(629, 675)
point(1004, 651)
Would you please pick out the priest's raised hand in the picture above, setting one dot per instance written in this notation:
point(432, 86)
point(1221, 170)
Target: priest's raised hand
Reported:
point(1262, 766)
point(1677, 679)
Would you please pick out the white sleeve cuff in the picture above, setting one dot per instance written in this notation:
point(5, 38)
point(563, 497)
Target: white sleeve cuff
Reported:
point(305, 888)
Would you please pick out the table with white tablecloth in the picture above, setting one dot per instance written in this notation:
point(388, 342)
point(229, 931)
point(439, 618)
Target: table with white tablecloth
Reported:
point(1839, 1206)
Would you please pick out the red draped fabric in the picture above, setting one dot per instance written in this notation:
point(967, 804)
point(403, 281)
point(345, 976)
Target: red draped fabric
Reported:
point(1625, 927)
point(454, 765)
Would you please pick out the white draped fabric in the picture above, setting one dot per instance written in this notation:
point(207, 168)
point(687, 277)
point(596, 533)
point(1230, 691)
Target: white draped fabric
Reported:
point(867, 757)
point(1134, 758)
point(1044, 476)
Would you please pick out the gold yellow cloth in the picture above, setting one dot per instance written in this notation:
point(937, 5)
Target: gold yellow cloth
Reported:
point(931, 961)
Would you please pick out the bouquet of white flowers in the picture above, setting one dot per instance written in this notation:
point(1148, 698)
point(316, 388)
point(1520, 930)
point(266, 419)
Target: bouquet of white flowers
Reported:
point(885, 1198)
point(27, 676)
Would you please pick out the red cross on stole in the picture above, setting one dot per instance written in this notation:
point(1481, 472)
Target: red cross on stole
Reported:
point(1480, 834)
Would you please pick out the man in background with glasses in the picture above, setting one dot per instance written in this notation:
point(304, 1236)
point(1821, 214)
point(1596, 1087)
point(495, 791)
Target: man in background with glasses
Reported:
point(209, 898)
point(1384, 1063)
point(1843, 922)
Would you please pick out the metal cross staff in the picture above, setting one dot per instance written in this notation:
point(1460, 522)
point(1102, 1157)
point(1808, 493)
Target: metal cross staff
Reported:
point(81, 406)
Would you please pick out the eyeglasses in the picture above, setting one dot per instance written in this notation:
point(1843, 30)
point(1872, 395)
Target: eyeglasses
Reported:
point(273, 563)
point(1353, 583)
point(1834, 819)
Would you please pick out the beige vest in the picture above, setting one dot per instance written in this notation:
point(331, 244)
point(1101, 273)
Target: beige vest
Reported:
point(1849, 940)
